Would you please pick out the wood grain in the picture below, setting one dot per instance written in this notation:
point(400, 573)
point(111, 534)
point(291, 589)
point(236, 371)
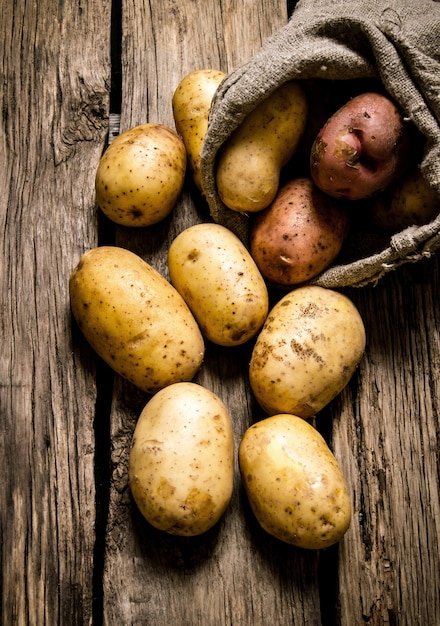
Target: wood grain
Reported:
point(386, 433)
point(54, 67)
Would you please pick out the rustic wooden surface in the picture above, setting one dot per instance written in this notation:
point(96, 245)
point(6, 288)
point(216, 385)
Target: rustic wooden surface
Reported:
point(74, 549)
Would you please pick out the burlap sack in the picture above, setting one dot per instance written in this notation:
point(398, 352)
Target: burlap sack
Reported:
point(394, 41)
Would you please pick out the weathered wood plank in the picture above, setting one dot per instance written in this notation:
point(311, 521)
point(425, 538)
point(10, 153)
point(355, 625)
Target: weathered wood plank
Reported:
point(234, 574)
point(54, 99)
point(386, 432)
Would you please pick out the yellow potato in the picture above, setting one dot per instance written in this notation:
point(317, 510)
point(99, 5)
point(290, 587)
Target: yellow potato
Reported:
point(182, 460)
point(217, 277)
point(134, 319)
point(141, 174)
point(249, 163)
point(309, 347)
point(409, 202)
point(294, 483)
point(191, 103)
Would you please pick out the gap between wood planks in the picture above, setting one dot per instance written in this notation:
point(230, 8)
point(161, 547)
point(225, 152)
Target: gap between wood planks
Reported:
point(106, 236)
point(104, 375)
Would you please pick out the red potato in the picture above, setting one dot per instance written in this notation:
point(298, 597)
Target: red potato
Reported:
point(362, 148)
point(299, 234)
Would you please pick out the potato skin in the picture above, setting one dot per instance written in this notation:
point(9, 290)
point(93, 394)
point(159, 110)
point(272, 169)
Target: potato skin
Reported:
point(181, 463)
point(294, 483)
point(134, 319)
point(362, 148)
point(141, 174)
point(249, 163)
point(299, 235)
point(191, 104)
point(309, 347)
point(218, 279)
point(410, 202)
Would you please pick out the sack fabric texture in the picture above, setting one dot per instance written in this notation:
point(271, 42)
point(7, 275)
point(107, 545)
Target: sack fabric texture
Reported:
point(396, 42)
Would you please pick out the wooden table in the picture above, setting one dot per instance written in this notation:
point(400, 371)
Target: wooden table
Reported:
point(74, 549)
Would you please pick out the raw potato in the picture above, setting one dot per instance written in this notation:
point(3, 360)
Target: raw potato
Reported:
point(410, 202)
point(250, 162)
point(299, 235)
point(217, 277)
point(134, 319)
point(141, 174)
point(191, 104)
point(294, 484)
point(309, 347)
point(362, 149)
point(181, 463)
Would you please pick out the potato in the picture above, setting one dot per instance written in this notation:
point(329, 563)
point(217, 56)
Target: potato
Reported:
point(191, 103)
point(141, 174)
point(294, 483)
point(181, 464)
point(217, 277)
point(134, 319)
point(299, 234)
point(309, 347)
point(410, 202)
point(250, 161)
point(362, 148)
